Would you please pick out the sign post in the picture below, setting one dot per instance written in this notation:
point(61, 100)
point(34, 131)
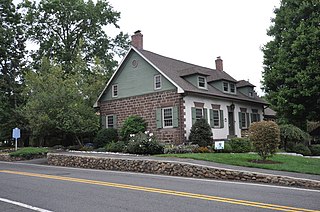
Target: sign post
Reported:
point(16, 135)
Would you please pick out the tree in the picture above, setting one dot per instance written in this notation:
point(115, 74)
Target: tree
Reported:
point(60, 103)
point(265, 137)
point(201, 133)
point(12, 65)
point(65, 28)
point(291, 76)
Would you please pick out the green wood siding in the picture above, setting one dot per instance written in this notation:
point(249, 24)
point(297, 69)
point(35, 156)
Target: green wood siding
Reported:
point(193, 79)
point(217, 84)
point(135, 81)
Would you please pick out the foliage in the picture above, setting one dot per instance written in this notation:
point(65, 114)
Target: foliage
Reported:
point(291, 77)
point(227, 148)
point(301, 149)
point(201, 133)
point(179, 149)
point(67, 27)
point(105, 136)
point(291, 135)
point(240, 145)
point(132, 125)
point(202, 149)
point(119, 146)
point(61, 107)
point(283, 162)
point(12, 53)
point(265, 136)
point(29, 152)
point(315, 149)
point(144, 143)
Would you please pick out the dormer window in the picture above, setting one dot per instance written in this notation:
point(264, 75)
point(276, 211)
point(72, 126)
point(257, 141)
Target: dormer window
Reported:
point(229, 87)
point(202, 82)
point(251, 94)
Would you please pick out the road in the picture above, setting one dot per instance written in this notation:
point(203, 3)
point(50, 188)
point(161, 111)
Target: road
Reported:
point(29, 187)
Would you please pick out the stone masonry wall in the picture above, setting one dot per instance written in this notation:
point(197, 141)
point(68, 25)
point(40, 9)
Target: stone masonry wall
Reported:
point(174, 169)
point(145, 106)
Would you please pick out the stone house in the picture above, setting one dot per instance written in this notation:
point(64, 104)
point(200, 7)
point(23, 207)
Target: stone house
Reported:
point(171, 95)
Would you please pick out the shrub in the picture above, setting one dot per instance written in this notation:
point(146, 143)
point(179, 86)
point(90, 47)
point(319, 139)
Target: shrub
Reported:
point(115, 146)
point(291, 135)
point(29, 152)
point(201, 133)
point(301, 149)
point(265, 136)
point(202, 149)
point(74, 147)
point(179, 149)
point(105, 136)
point(132, 125)
point(240, 145)
point(144, 143)
point(315, 149)
point(86, 148)
point(227, 148)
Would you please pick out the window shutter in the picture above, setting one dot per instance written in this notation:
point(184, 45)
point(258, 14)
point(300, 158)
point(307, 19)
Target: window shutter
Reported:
point(221, 119)
point(240, 121)
point(259, 117)
point(211, 118)
point(103, 122)
point(159, 118)
point(205, 114)
point(251, 116)
point(114, 121)
point(248, 120)
point(175, 116)
point(193, 115)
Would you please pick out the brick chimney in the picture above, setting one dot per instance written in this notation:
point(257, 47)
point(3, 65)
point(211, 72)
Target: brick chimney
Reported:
point(137, 40)
point(219, 64)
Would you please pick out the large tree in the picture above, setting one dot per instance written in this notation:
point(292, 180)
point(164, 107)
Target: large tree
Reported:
point(291, 76)
point(63, 28)
point(12, 52)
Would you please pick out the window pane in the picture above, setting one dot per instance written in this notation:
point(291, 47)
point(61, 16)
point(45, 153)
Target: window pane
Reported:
point(216, 121)
point(225, 86)
point(232, 88)
point(201, 82)
point(199, 113)
point(110, 122)
point(115, 90)
point(243, 120)
point(157, 82)
point(167, 117)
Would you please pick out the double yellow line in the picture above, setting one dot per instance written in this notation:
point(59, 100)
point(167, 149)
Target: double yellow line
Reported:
point(164, 191)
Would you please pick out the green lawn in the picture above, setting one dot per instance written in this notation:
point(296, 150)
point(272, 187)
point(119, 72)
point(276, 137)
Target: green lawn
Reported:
point(287, 163)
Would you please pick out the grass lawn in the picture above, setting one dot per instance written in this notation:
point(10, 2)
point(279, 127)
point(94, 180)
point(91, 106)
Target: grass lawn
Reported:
point(286, 162)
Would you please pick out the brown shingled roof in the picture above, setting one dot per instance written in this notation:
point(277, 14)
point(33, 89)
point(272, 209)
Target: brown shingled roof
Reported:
point(176, 70)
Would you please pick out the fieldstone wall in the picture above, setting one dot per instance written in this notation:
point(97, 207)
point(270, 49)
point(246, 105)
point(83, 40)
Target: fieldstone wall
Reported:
point(146, 106)
point(8, 158)
point(174, 169)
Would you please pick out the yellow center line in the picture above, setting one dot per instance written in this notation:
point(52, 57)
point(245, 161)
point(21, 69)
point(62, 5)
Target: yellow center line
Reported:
point(164, 191)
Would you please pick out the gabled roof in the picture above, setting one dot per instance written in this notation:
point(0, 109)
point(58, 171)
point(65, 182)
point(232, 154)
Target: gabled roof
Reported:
point(243, 83)
point(175, 71)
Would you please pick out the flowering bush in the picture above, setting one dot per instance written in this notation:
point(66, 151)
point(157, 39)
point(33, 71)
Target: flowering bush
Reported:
point(180, 149)
point(132, 125)
point(144, 143)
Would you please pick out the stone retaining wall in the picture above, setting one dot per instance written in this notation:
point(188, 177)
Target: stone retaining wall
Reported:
point(8, 158)
point(174, 169)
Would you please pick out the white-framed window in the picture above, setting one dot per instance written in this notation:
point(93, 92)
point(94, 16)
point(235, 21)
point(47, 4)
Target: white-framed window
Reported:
point(202, 82)
point(225, 87)
point(251, 94)
point(115, 90)
point(232, 88)
point(199, 113)
point(167, 117)
point(157, 82)
point(255, 116)
point(110, 121)
point(216, 118)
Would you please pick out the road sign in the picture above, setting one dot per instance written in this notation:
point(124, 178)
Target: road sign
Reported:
point(16, 133)
point(219, 145)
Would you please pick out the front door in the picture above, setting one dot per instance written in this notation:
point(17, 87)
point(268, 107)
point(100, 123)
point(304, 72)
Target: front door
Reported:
point(231, 124)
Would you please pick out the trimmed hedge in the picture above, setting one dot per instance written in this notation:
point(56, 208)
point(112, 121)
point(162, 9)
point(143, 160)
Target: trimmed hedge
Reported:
point(29, 152)
point(105, 136)
point(240, 145)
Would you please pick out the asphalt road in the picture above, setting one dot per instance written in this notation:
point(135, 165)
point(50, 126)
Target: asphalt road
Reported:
point(29, 187)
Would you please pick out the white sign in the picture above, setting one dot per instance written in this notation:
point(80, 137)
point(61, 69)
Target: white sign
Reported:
point(16, 133)
point(219, 145)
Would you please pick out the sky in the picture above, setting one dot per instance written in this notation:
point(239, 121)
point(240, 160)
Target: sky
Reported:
point(199, 31)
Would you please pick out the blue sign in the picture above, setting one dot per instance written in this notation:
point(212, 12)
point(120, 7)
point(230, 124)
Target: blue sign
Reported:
point(16, 133)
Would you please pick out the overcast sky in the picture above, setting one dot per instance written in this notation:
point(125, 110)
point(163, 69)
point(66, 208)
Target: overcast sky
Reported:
point(199, 31)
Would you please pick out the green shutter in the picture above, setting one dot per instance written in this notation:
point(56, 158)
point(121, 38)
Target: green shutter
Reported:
point(193, 115)
point(103, 121)
point(248, 120)
point(211, 118)
point(159, 118)
point(259, 117)
point(205, 114)
point(221, 119)
point(251, 116)
point(114, 121)
point(240, 121)
point(175, 116)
